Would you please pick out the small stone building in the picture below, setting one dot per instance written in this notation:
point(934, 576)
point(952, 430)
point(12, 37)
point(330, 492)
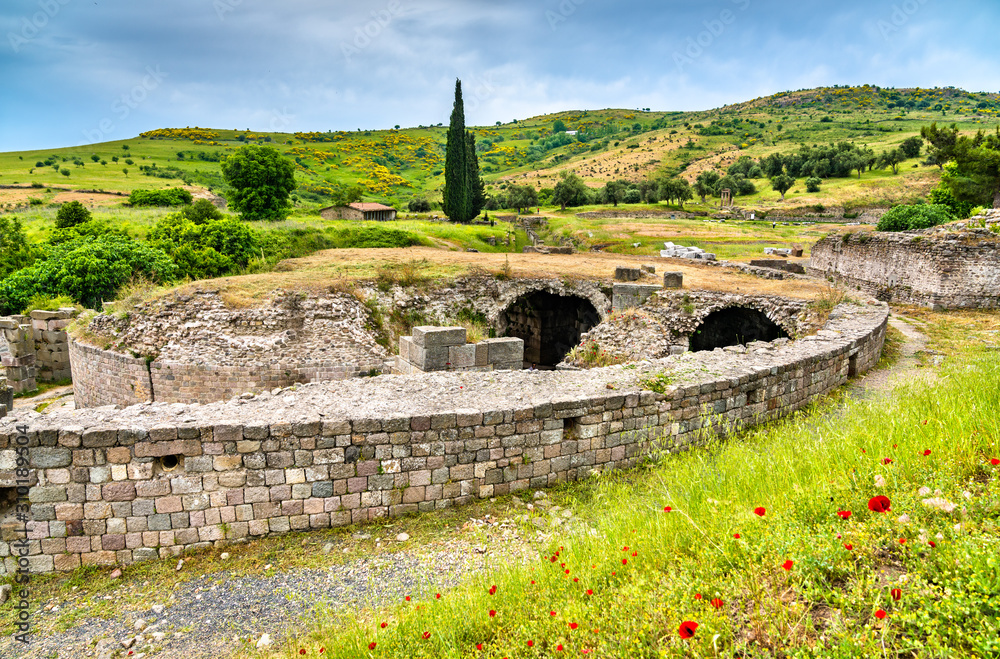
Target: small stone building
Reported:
point(360, 211)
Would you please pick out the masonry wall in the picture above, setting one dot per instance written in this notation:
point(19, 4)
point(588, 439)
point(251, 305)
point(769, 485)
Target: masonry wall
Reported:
point(108, 494)
point(925, 267)
point(103, 377)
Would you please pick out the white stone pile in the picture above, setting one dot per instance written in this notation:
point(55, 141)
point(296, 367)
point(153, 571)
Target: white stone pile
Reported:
point(672, 251)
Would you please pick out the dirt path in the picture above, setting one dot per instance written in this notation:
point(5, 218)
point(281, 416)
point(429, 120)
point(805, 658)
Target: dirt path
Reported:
point(910, 366)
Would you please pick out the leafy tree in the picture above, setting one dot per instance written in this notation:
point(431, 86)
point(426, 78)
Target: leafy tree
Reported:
point(975, 174)
point(570, 191)
point(813, 183)
point(705, 184)
point(202, 211)
point(942, 195)
point(521, 197)
point(210, 249)
point(614, 191)
point(72, 213)
point(772, 165)
point(559, 126)
point(15, 251)
point(942, 143)
point(89, 270)
point(462, 183)
point(913, 217)
point(782, 183)
point(677, 190)
point(911, 146)
point(891, 159)
point(632, 196)
point(261, 181)
point(419, 205)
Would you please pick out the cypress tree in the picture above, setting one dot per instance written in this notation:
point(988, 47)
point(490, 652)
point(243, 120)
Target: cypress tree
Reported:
point(464, 193)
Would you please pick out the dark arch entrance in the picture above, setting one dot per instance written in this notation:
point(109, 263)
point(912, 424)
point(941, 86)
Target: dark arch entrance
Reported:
point(549, 324)
point(734, 326)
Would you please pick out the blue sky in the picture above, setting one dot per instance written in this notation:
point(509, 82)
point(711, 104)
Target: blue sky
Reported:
point(81, 71)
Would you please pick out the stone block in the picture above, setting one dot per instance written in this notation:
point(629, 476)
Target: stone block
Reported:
point(405, 346)
point(627, 273)
point(462, 356)
point(627, 296)
point(430, 359)
point(673, 280)
point(505, 350)
point(121, 491)
point(436, 337)
point(651, 269)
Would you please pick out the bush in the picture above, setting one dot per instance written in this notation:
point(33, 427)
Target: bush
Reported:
point(71, 214)
point(813, 183)
point(169, 197)
point(419, 205)
point(916, 216)
point(204, 250)
point(89, 270)
point(632, 196)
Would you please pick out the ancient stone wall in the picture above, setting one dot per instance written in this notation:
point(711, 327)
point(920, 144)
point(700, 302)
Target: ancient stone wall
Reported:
point(104, 377)
point(119, 486)
point(948, 266)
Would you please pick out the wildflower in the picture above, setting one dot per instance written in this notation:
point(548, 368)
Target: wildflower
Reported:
point(624, 561)
point(902, 541)
point(493, 590)
point(437, 596)
point(995, 461)
point(371, 646)
point(427, 635)
point(844, 513)
point(904, 519)
point(848, 547)
point(896, 593)
point(573, 625)
point(559, 648)
point(697, 596)
point(879, 481)
point(932, 544)
point(788, 564)
point(887, 461)
point(493, 613)
point(590, 592)
point(407, 598)
point(552, 613)
point(939, 503)
point(302, 650)
point(736, 535)
point(880, 614)
point(927, 452)
point(879, 504)
point(760, 511)
point(531, 643)
point(716, 602)
point(479, 646)
point(667, 509)
point(924, 491)
point(687, 629)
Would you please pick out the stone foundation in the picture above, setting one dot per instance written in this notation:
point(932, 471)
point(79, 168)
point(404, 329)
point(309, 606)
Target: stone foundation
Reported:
point(445, 349)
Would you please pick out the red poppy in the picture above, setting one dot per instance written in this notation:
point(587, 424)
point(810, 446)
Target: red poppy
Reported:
point(624, 561)
point(736, 535)
point(760, 511)
point(995, 461)
point(576, 580)
point(493, 590)
point(896, 593)
point(880, 614)
point(887, 461)
point(532, 582)
point(552, 613)
point(479, 646)
point(902, 541)
point(322, 650)
point(302, 650)
point(590, 592)
point(667, 509)
point(427, 635)
point(716, 602)
point(788, 564)
point(567, 571)
point(879, 504)
point(493, 613)
point(559, 648)
point(531, 644)
point(932, 544)
point(573, 625)
point(552, 560)
point(687, 629)
point(697, 596)
point(927, 451)
point(925, 422)
point(407, 598)
point(848, 547)
point(437, 596)
point(844, 513)
point(371, 646)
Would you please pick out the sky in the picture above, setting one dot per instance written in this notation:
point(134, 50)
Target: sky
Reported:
point(76, 72)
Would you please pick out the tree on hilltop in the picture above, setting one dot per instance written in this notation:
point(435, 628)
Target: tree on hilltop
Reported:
point(782, 183)
point(262, 180)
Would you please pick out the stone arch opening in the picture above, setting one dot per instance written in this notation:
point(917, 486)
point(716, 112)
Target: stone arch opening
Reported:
point(734, 326)
point(549, 324)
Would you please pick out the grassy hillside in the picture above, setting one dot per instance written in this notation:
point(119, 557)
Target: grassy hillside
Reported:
point(397, 165)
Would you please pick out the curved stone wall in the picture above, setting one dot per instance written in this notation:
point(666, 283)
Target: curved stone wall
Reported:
point(324, 455)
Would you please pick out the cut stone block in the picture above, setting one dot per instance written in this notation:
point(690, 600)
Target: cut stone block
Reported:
point(436, 337)
point(673, 279)
point(651, 269)
point(405, 347)
point(482, 354)
point(625, 273)
point(628, 296)
point(462, 356)
point(506, 350)
point(430, 359)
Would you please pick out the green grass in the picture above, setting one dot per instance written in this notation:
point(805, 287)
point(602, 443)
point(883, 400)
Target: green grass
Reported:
point(650, 570)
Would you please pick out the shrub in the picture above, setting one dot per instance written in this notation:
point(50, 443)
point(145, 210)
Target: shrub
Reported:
point(169, 197)
point(419, 205)
point(71, 214)
point(203, 250)
point(916, 216)
point(813, 183)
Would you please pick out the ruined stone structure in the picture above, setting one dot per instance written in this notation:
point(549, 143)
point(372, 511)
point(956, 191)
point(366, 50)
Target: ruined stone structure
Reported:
point(445, 349)
point(950, 266)
point(37, 348)
point(120, 486)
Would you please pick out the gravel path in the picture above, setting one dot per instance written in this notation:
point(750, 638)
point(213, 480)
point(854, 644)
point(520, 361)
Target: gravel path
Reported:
point(217, 614)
